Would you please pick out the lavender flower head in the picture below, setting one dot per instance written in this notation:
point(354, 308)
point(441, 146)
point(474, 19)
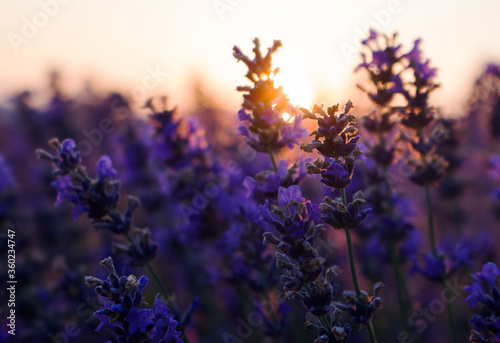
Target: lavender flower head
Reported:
point(385, 56)
point(126, 314)
point(296, 222)
point(98, 198)
point(335, 139)
point(264, 106)
point(417, 114)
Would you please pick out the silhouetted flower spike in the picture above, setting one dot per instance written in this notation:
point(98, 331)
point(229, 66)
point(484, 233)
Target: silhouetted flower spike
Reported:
point(418, 114)
point(260, 67)
point(264, 105)
point(385, 57)
point(423, 73)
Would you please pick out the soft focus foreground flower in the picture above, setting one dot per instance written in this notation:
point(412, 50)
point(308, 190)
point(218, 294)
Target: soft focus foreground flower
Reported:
point(296, 222)
point(125, 312)
point(383, 67)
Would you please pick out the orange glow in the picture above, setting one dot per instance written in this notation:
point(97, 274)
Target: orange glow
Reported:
point(295, 84)
point(286, 116)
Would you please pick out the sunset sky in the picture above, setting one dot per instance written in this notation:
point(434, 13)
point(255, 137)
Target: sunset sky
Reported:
point(175, 43)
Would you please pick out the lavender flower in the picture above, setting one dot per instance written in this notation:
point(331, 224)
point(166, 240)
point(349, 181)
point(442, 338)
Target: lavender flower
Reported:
point(338, 216)
point(126, 314)
point(335, 139)
point(362, 308)
point(382, 67)
point(304, 278)
point(98, 198)
point(264, 105)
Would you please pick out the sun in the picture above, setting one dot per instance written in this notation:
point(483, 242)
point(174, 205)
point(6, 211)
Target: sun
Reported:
point(295, 84)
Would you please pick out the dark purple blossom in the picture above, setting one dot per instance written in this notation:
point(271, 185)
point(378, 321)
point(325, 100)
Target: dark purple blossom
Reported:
point(339, 216)
point(363, 308)
point(126, 314)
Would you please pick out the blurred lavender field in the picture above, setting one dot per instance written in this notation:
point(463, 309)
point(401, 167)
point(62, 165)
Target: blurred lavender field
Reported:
point(248, 213)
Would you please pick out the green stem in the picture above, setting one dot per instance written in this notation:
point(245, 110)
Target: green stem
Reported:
point(430, 220)
point(273, 161)
point(401, 286)
point(388, 192)
point(450, 318)
point(352, 266)
point(350, 251)
point(432, 239)
point(163, 292)
point(371, 332)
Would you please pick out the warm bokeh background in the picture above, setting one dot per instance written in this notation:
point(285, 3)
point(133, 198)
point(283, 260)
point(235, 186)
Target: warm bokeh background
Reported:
point(114, 44)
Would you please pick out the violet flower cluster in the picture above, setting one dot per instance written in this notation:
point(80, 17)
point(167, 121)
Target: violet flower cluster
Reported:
point(335, 139)
point(261, 241)
point(127, 314)
point(98, 198)
point(264, 104)
point(298, 223)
